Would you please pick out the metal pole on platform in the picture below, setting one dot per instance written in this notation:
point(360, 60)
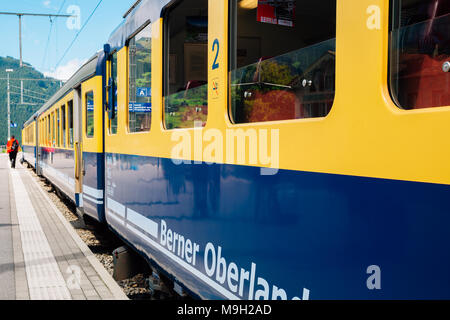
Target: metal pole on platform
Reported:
point(21, 91)
point(20, 40)
point(8, 71)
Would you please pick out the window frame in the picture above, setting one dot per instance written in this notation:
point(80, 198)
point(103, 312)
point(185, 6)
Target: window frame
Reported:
point(53, 126)
point(232, 45)
point(394, 23)
point(127, 44)
point(70, 121)
point(110, 75)
point(166, 62)
point(58, 127)
point(64, 125)
point(87, 115)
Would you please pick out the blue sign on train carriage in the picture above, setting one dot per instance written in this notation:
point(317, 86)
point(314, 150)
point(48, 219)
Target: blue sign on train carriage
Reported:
point(90, 105)
point(144, 92)
point(140, 107)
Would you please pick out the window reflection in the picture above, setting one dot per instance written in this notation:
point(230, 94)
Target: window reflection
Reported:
point(420, 45)
point(282, 60)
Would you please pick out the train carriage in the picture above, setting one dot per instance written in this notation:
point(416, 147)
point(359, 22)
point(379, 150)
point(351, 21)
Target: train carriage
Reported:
point(68, 151)
point(29, 145)
point(278, 149)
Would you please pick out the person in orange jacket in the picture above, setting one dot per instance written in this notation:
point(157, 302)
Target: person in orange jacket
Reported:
point(12, 148)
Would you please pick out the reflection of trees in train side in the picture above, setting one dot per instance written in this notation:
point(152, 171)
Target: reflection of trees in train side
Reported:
point(184, 108)
point(223, 192)
point(143, 61)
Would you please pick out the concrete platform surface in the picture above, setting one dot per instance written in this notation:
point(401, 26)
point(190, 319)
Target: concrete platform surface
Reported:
point(41, 255)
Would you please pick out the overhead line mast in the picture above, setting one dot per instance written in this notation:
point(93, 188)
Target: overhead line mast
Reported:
point(21, 14)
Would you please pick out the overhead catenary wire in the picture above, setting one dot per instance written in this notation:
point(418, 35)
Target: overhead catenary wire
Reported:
point(50, 34)
point(47, 45)
point(78, 33)
point(32, 97)
point(22, 14)
point(31, 91)
point(31, 79)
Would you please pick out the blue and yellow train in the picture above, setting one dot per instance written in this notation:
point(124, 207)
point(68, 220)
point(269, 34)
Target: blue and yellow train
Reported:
point(266, 149)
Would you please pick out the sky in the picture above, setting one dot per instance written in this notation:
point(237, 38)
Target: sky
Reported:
point(44, 45)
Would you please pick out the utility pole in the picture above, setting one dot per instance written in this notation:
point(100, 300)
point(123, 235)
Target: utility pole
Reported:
point(8, 71)
point(21, 14)
point(20, 40)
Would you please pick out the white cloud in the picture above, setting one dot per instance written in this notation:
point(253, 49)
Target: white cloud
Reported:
point(48, 4)
point(66, 71)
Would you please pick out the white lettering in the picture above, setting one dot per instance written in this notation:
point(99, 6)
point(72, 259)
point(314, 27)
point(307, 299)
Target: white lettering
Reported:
point(221, 267)
point(210, 249)
point(232, 275)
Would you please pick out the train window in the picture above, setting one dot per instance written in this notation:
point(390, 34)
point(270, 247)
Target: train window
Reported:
point(49, 132)
point(113, 122)
point(420, 53)
point(58, 126)
point(53, 130)
point(140, 72)
point(63, 123)
point(186, 65)
point(282, 59)
point(90, 114)
point(70, 122)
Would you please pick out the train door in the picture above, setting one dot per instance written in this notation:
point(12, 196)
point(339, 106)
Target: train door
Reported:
point(75, 117)
point(92, 150)
point(37, 143)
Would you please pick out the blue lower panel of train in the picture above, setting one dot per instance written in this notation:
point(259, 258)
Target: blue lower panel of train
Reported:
point(226, 231)
point(93, 185)
point(29, 155)
point(58, 166)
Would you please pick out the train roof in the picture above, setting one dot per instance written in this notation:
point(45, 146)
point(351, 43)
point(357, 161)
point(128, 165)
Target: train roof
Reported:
point(89, 69)
point(140, 13)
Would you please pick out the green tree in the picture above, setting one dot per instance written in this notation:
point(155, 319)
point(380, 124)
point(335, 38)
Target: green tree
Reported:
point(21, 113)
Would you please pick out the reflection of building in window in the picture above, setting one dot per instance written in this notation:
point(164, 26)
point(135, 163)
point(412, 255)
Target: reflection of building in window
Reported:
point(420, 45)
point(282, 71)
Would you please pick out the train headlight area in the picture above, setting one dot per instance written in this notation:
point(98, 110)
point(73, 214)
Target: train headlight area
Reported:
point(263, 150)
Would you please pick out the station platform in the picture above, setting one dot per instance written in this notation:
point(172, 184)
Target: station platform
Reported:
point(41, 255)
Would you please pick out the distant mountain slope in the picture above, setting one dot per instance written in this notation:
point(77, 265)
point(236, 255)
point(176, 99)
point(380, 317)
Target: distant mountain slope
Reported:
point(39, 88)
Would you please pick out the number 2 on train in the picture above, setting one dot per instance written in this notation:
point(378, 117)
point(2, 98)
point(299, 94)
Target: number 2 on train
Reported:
point(216, 44)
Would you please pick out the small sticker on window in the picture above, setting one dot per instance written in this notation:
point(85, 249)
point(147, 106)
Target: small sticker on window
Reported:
point(280, 12)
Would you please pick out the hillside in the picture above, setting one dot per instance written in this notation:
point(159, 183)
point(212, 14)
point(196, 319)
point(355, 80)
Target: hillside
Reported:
point(39, 88)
